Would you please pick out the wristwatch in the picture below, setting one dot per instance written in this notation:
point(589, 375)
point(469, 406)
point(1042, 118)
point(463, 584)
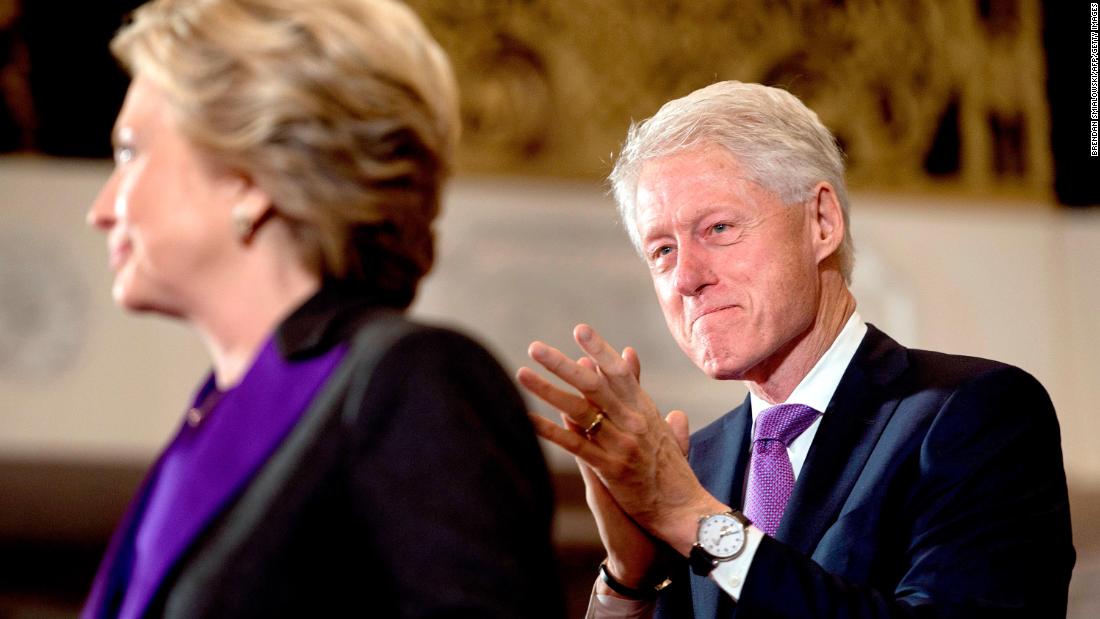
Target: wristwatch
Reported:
point(720, 537)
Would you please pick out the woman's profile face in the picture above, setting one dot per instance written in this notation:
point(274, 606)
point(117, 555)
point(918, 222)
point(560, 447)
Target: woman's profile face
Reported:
point(166, 211)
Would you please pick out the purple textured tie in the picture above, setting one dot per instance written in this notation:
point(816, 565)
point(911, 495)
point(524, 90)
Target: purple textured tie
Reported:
point(771, 477)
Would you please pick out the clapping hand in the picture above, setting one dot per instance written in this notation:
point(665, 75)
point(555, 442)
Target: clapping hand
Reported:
point(613, 428)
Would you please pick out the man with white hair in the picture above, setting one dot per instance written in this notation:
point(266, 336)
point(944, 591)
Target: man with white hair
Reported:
point(859, 478)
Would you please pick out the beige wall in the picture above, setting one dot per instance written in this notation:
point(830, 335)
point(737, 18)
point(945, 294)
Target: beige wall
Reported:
point(519, 259)
point(528, 259)
point(77, 377)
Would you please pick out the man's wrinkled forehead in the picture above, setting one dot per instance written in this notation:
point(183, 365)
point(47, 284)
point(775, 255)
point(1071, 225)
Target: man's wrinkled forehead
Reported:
point(700, 180)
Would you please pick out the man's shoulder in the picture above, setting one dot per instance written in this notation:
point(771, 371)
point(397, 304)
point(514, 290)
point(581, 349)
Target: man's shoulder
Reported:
point(961, 388)
point(936, 369)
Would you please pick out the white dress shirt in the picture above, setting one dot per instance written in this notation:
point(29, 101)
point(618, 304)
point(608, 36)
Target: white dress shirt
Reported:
point(815, 390)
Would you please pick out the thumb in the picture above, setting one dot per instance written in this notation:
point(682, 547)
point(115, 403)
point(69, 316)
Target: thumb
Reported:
point(631, 357)
point(678, 422)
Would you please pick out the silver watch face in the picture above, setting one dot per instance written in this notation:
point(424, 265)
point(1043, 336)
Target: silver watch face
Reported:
point(721, 535)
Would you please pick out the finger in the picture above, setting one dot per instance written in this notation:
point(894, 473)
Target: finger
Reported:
point(580, 411)
point(570, 441)
point(619, 373)
point(678, 422)
point(600, 422)
point(631, 357)
point(584, 379)
point(572, 425)
point(638, 397)
point(578, 414)
point(583, 375)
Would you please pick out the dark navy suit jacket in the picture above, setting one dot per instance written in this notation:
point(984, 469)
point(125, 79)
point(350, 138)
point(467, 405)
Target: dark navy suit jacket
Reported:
point(934, 488)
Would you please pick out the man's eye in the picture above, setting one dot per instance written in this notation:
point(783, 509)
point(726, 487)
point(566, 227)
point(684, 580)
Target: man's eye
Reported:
point(720, 228)
point(660, 252)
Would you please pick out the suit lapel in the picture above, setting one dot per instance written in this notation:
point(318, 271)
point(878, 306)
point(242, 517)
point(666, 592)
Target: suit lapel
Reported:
point(725, 442)
point(850, 428)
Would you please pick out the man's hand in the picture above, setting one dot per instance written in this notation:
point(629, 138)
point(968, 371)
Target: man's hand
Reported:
point(633, 556)
point(635, 453)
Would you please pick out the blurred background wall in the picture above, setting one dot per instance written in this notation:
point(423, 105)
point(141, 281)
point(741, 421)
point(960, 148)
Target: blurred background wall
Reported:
point(966, 124)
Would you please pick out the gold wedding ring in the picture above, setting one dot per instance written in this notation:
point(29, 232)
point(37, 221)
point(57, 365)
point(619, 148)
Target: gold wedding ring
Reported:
point(590, 431)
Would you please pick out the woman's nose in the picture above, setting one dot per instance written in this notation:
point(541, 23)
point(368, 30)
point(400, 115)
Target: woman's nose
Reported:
point(101, 214)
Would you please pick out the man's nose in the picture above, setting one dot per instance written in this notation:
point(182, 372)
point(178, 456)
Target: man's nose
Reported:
point(693, 269)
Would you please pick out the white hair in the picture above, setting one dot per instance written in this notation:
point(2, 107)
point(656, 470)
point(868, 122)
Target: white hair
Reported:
point(781, 143)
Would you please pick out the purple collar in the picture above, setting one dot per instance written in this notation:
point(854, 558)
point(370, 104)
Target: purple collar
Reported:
point(201, 472)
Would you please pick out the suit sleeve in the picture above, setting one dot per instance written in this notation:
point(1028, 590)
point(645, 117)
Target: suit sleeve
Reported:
point(984, 528)
point(448, 482)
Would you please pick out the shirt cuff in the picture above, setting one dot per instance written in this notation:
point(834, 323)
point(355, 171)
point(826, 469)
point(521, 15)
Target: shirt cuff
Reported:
point(612, 607)
point(730, 575)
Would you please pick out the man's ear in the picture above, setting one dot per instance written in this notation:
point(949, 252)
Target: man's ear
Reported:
point(826, 221)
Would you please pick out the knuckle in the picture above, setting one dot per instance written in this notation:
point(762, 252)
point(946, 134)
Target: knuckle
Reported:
point(634, 425)
point(571, 442)
point(617, 369)
point(631, 446)
point(589, 383)
point(554, 363)
point(615, 469)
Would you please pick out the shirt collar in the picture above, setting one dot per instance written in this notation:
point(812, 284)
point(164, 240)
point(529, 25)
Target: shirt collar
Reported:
point(817, 387)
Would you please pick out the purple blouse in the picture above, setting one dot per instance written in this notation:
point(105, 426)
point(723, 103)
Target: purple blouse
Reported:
point(205, 467)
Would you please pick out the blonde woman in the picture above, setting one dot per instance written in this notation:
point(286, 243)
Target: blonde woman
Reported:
point(278, 169)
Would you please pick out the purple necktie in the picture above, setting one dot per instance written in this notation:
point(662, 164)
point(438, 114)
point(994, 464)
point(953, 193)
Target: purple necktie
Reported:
point(771, 477)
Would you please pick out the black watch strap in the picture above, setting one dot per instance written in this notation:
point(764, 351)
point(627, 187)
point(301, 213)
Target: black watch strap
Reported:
point(647, 593)
point(702, 563)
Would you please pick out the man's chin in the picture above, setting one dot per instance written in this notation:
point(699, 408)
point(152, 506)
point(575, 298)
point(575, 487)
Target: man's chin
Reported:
point(722, 369)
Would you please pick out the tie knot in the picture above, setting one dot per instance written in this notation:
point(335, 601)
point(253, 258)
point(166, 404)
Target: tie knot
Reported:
point(784, 422)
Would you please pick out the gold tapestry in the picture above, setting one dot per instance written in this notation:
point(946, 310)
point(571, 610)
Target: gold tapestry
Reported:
point(921, 93)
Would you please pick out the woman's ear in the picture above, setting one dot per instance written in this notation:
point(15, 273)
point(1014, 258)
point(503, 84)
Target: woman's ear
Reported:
point(252, 206)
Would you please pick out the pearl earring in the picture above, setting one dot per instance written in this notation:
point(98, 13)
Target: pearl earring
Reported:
point(243, 225)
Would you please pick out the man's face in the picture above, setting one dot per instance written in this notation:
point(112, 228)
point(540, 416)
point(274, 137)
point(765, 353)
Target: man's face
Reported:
point(733, 266)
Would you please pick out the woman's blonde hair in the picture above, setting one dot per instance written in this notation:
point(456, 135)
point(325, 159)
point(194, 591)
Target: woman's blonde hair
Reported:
point(344, 111)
